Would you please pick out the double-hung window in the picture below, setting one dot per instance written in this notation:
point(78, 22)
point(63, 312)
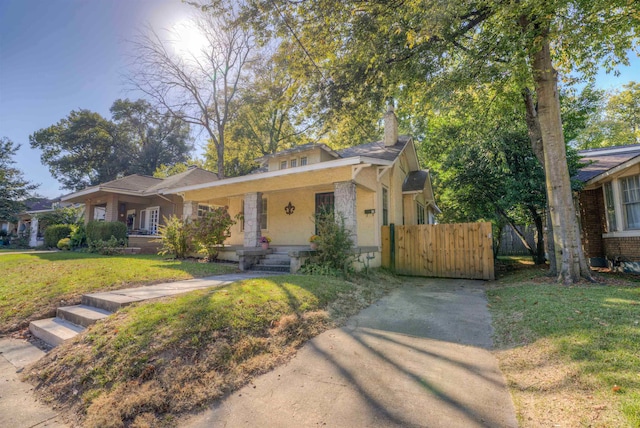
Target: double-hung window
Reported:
point(610, 207)
point(630, 189)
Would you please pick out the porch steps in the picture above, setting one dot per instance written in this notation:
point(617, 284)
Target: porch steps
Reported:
point(274, 262)
point(54, 331)
point(82, 315)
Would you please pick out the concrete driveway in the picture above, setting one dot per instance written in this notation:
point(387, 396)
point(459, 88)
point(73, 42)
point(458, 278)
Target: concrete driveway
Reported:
point(417, 358)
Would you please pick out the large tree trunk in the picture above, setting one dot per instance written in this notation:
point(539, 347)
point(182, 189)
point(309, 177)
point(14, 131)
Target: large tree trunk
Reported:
point(535, 136)
point(569, 256)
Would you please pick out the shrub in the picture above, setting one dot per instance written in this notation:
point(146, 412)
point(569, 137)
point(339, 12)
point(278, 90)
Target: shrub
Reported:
point(335, 254)
point(109, 247)
point(66, 215)
point(211, 230)
point(4, 237)
point(104, 230)
point(64, 244)
point(55, 233)
point(176, 236)
point(78, 235)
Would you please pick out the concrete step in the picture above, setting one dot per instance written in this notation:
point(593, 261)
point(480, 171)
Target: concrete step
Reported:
point(267, 268)
point(54, 331)
point(275, 262)
point(110, 302)
point(82, 315)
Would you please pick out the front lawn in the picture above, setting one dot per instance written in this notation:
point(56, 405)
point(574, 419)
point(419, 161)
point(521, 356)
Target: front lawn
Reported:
point(33, 285)
point(570, 354)
point(153, 361)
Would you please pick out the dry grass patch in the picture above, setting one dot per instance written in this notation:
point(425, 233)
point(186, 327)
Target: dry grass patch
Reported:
point(154, 361)
point(570, 354)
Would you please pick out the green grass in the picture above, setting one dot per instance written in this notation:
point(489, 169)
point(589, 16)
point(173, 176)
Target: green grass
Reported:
point(153, 361)
point(33, 285)
point(595, 328)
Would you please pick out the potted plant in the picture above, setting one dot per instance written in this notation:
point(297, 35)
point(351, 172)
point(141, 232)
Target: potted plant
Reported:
point(313, 242)
point(264, 241)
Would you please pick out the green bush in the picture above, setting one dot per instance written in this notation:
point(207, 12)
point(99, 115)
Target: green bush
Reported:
point(176, 236)
point(211, 230)
point(107, 247)
point(64, 244)
point(335, 248)
point(78, 235)
point(104, 230)
point(55, 233)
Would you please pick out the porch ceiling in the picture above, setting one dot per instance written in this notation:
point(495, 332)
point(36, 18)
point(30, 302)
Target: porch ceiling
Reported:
point(300, 180)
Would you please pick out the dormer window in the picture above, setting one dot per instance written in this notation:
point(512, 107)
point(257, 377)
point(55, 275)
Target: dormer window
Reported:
point(303, 161)
point(283, 165)
point(293, 163)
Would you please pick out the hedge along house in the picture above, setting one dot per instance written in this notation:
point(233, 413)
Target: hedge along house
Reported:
point(369, 185)
point(141, 202)
point(610, 206)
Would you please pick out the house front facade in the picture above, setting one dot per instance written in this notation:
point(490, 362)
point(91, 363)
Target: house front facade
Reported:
point(368, 186)
point(610, 206)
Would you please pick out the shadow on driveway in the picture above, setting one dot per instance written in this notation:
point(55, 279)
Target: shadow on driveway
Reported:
point(417, 358)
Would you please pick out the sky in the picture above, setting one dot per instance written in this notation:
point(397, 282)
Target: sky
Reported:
point(62, 55)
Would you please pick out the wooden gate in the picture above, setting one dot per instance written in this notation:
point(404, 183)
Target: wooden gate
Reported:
point(461, 250)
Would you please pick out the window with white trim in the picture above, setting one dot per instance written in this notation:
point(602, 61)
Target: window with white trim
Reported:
point(263, 214)
point(610, 207)
point(293, 163)
point(420, 217)
point(149, 220)
point(630, 190)
point(303, 161)
point(283, 165)
point(203, 209)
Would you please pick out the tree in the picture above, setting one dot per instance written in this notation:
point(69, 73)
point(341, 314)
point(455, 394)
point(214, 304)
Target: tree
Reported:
point(616, 122)
point(82, 150)
point(402, 48)
point(198, 86)
point(14, 188)
point(85, 149)
point(154, 138)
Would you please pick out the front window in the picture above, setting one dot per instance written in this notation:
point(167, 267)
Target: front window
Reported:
point(149, 220)
point(283, 165)
point(610, 207)
point(420, 214)
point(630, 187)
point(203, 209)
point(385, 206)
point(263, 215)
point(303, 161)
point(293, 163)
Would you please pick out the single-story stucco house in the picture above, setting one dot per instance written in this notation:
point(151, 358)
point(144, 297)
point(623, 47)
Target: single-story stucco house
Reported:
point(610, 206)
point(369, 185)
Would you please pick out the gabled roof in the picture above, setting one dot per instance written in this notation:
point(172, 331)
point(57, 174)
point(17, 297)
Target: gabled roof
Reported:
point(415, 181)
point(144, 185)
point(298, 149)
point(600, 161)
point(376, 150)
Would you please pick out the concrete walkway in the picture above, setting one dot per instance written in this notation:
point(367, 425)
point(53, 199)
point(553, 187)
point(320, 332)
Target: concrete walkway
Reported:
point(417, 358)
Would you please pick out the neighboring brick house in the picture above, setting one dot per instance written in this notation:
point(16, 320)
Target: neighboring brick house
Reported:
point(610, 206)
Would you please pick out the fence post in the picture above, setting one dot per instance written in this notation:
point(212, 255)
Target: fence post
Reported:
point(392, 247)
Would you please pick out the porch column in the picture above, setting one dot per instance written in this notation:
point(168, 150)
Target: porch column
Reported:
point(88, 211)
point(112, 208)
point(190, 210)
point(345, 207)
point(252, 210)
point(33, 232)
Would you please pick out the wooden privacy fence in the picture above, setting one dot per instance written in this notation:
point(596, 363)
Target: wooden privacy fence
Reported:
point(462, 250)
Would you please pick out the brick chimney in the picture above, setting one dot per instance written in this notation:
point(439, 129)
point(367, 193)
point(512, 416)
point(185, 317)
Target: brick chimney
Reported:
point(390, 127)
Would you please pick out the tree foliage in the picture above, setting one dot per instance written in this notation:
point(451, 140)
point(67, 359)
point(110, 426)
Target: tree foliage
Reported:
point(85, 149)
point(14, 188)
